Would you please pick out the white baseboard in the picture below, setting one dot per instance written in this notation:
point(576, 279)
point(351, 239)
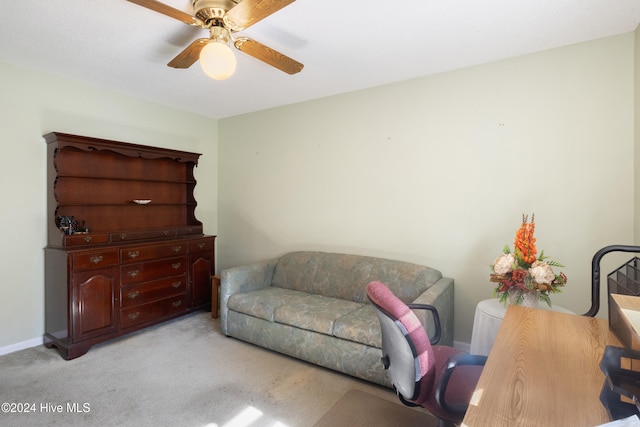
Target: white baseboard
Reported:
point(21, 345)
point(464, 346)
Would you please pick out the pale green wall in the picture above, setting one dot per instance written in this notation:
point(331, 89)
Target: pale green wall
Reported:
point(33, 104)
point(435, 170)
point(439, 170)
point(637, 134)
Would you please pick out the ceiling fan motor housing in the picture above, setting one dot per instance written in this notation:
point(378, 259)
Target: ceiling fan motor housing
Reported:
point(211, 12)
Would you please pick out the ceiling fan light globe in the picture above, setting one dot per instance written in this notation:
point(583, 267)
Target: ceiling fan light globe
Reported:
point(217, 60)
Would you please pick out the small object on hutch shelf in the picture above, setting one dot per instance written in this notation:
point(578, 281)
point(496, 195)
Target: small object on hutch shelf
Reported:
point(78, 227)
point(141, 201)
point(65, 223)
point(68, 225)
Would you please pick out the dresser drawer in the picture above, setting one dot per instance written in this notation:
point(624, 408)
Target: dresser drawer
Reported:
point(93, 260)
point(141, 253)
point(191, 229)
point(152, 311)
point(85, 239)
point(151, 291)
point(201, 245)
point(125, 236)
point(152, 270)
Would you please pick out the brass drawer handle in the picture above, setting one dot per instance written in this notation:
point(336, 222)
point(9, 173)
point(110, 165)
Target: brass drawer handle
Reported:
point(134, 316)
point(177, 303)
point(177, 249)
point(166, 232)
point(133, 273)
point(202, 245)
point(123, 236)
point(133, 295)
point(176, 285)
point(96, 259)
point(176, 265)
point(133, 254)
point(88, 239)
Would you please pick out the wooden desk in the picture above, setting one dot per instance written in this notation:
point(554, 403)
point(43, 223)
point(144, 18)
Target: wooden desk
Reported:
point(543, 370)
point(487, 321)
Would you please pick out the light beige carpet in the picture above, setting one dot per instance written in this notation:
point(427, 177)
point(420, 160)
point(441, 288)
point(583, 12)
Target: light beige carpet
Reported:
point(183, 372)
point(357, 408)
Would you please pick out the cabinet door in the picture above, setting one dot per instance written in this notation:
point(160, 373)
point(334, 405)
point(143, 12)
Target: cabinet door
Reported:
point(200, 270)
point(93, 305)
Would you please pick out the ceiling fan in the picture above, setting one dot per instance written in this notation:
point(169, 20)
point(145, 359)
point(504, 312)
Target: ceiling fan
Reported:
point(223, 18)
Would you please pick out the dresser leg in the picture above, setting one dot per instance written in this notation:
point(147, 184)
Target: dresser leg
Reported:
point(215, 287)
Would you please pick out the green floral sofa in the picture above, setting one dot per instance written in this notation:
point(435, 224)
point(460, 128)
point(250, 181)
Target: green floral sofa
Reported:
point(313, 306)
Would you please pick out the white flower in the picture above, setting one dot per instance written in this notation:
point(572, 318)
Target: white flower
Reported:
point(504, 264)
point(541, 272)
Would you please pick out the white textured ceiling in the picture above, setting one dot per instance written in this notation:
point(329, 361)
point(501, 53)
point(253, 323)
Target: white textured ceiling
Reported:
point(345, 45)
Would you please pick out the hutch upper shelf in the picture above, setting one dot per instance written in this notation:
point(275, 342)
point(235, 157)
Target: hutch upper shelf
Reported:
point(118, 191)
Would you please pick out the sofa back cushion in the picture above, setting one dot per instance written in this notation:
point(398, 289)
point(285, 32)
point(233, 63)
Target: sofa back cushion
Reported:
point(347, 276)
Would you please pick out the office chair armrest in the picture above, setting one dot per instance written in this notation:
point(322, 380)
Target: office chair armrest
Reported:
point(441, 389)
point(436, 320)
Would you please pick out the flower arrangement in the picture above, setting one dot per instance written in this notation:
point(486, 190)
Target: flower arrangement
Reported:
point(522, 271)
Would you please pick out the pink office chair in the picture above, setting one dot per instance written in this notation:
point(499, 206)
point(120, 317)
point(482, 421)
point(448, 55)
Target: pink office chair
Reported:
point(438, 378)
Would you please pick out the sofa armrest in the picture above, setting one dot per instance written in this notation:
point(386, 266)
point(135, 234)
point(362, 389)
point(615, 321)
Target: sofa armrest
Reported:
point(242, 279)
point(440, 295)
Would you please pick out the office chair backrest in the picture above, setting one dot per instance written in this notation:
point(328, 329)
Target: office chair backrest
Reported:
point(408, 354)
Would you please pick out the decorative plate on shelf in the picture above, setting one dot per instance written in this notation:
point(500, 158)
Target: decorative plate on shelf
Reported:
point(141, 201)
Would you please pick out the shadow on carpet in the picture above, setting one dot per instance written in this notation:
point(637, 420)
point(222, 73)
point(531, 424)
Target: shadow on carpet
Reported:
point(357, 408)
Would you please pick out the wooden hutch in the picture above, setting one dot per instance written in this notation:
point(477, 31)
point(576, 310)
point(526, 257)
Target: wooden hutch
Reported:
point(125, 249)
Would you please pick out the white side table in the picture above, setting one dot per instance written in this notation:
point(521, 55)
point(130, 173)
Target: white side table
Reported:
point(487, 320)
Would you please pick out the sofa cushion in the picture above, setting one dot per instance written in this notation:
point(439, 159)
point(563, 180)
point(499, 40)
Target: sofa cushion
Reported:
point(263, 303)
point(346, 276)
point(361, 326)
point(314, 312)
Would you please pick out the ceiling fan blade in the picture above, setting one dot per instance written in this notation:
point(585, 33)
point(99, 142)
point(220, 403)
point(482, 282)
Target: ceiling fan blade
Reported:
point(248, 12)
point(167, 10)
point(268, 55)
point(190, 55)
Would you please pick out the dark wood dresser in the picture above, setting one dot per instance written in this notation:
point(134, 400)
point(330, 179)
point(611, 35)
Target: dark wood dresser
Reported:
point(125, 249)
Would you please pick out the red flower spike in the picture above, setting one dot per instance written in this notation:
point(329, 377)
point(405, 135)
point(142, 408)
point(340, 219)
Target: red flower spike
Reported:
point(525, 243)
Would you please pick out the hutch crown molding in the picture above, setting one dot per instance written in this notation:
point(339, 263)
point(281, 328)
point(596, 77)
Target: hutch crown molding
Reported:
point(125, 249)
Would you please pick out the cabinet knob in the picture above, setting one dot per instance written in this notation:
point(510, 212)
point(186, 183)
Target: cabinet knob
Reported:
point(88, 239)
point(177, 303)
point(176, 285)
point(133, 295)
point(133, 273)
point(96, 259)
point(133, 254)
point(177, 249)
point(202, 245)
point(123, 236)
point(166, 232)
point(176, 265)
point(134, 316)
